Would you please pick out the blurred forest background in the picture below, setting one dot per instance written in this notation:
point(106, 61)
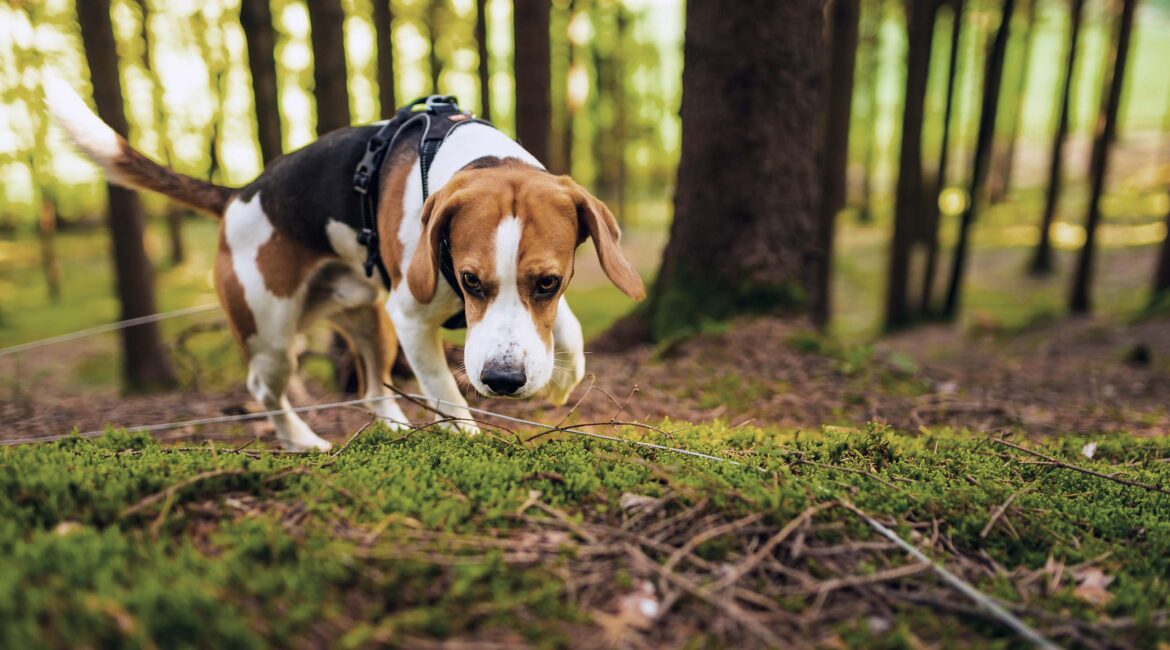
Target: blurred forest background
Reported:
point(947, 116)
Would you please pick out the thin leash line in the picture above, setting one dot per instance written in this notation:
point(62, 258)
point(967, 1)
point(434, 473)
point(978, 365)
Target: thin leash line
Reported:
point(954, 581)
point(962, 586)
point(109, 327)
point(220, 419)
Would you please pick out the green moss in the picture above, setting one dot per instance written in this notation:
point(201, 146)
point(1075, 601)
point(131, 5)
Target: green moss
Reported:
point(251, 556)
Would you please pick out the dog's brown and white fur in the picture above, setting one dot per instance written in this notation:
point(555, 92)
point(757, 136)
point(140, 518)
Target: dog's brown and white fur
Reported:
point(288, 257)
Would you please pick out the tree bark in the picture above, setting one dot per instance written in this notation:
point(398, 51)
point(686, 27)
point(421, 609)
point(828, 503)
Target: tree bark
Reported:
point(330, 83)
point(926, 302)
point(843, 16)
point(436, 63)
point(565, 164)
point(911, 211)
point(174, 218)
point(1042, 259)
point(256, 19)
point(47, 233)
point(745, 233)
point(1162, 274)
point(481, 44)
point(384, 34)
point(1080, 301)
point(1001, 177)
point(992, 82)
point(872, 43)
point(533, 77)
point(144, 362)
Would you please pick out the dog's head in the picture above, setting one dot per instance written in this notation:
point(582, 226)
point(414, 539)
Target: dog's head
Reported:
point(512, 232)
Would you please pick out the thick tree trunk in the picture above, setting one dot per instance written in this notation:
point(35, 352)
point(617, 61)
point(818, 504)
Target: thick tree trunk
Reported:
point(911, 210)
point(436, 64)
point(843, 16)
point(144, 362)
point(533, 77)
point(992, 82)
point(1042, 259)
point(330, 84)
point(481, 44)
point(1001, 177)
point(745, 229)
point(256, 19)
point(384, 34)
point(1080, 302)
point(926, 302)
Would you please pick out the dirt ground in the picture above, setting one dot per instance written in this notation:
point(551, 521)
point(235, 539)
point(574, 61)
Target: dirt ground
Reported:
point(1078, 376)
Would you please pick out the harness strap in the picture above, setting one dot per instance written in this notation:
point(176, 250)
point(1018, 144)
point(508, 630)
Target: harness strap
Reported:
point(439, 119)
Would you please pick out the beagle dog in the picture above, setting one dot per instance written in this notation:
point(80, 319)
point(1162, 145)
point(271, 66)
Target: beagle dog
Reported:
point(289, 256)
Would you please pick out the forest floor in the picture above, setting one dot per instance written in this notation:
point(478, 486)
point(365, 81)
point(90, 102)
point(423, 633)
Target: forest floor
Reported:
point(432, 539)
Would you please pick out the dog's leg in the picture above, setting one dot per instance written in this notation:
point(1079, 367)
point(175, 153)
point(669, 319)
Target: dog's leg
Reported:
point(372, 336)
point(568, 355)
point(422, 342)
point(269, 370)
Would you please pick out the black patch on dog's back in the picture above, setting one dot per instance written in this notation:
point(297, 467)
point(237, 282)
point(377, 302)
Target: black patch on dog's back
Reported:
point(301, 191)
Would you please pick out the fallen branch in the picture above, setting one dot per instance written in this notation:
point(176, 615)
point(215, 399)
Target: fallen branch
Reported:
point(1056, 462)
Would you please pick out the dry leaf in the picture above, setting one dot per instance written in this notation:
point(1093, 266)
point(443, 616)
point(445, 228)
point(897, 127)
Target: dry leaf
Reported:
point(1089, 449)
point(631, 502)
point(1092, 587)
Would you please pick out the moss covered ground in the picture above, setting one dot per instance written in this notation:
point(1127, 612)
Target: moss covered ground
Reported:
point(428, 538)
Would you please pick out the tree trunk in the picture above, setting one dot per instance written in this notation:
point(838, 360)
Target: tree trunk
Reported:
point(565, 164)
point(926, 303)
point(1042, 259)
point(533, 77)
point(745, 224)
point(159, 116)
point(911, 211)
point(843, 16)
point(47, 233)
point(992, 82)
point(1080, 302)
point(872, 43)
point(436, 63)
point(1001, 177)
point(144, 361)
point(384, 34)
point(1162, 274)
point(256, 19)
point(481, 44)
point(330, 84)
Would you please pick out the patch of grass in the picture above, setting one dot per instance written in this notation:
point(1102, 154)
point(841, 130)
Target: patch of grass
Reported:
point(123, 542)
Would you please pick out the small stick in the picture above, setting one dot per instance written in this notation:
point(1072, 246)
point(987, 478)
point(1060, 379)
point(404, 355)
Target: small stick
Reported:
point(1084, 470)
point(999, 511)
point(166, 493)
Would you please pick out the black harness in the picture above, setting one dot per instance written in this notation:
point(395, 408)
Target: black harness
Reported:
point(439, 116)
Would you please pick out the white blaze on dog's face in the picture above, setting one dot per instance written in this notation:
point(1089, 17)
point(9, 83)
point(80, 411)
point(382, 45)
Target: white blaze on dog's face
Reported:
point(512, 232)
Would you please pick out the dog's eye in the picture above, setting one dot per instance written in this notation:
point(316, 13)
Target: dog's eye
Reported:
point(547, 285)
point(471, 284)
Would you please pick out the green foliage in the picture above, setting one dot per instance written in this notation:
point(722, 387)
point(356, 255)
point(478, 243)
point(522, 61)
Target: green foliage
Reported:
point(219, 562)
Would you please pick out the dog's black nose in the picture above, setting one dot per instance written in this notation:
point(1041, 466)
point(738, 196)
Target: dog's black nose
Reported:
point(502, 379)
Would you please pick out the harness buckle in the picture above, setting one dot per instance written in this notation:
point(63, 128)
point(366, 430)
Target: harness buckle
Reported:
point(361, 179)
point(366, 237)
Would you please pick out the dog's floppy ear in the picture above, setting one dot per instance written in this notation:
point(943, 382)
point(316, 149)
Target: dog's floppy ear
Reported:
point(423, 274)
point(595, 220)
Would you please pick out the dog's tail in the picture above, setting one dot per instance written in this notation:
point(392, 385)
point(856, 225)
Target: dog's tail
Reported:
point(124, 166)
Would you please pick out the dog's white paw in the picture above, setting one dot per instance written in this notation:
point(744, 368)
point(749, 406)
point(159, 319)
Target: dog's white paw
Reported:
point(465, 427)
point(302, 443)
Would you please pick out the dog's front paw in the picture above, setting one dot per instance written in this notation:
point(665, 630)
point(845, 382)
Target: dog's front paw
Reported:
point(463, 426)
